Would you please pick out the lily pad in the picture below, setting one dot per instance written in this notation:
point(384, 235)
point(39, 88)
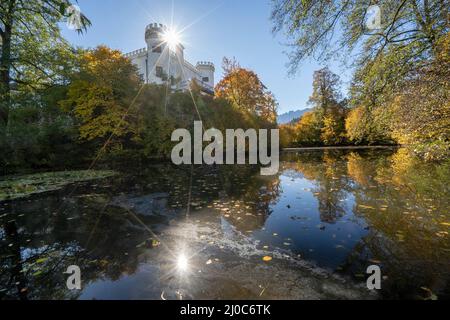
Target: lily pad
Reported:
point(21, 186)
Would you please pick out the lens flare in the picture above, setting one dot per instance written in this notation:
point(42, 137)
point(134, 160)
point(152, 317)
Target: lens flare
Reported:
point(172, 38)
point(182, 262)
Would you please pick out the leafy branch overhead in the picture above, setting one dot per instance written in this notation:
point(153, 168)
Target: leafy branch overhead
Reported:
point(322, 29)
point(32, 50)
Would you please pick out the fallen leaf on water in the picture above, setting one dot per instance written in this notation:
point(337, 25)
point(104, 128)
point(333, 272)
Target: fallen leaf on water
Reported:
point(155, 243)
point(375, 261)
point(267, 258)
point(264, 289)
point(365, 207)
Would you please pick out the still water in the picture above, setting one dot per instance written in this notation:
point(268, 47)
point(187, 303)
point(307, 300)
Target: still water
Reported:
point(166, 232)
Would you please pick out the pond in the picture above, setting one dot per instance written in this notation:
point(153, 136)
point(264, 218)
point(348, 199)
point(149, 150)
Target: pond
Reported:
point(226, 232)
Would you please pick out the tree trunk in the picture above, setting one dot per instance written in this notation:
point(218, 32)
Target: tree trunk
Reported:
point(5, 65)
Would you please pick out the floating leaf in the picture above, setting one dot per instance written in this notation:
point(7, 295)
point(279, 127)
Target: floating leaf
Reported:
point(374, 261)
point(267, 258)
point(155, 243)
point(365, 207)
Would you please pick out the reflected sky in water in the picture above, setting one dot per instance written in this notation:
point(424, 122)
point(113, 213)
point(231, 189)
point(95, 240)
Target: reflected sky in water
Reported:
point(323, 219)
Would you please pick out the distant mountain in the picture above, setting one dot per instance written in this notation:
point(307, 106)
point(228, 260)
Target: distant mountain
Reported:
point(291, 115)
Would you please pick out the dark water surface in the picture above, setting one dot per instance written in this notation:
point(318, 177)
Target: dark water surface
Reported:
point(323, 220)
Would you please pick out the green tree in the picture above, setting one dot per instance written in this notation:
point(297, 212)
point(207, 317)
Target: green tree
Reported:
point(31, 48)
point(329, 107)
point(323, 28)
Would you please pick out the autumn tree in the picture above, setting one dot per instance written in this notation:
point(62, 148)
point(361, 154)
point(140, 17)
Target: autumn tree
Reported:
point(307, 131)
point(393, 103)
point(101, 96)
point(329, 106)
point(32, 51)
point(244, 89)
point(397, 94)
point(421, 107)
point(373, 87)
point(324, 29)
point(333, 130)
point(287, 134)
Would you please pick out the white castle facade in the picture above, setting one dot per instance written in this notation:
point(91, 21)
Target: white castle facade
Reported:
point(159, 63)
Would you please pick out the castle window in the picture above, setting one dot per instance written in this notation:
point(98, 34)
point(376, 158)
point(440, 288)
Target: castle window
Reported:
point(157, 49)
point(159, 72)
point(205, 79)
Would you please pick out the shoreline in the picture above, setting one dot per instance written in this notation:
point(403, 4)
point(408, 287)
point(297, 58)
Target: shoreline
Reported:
point(338, 147)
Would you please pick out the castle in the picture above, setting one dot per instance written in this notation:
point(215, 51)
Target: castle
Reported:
point(161, 63)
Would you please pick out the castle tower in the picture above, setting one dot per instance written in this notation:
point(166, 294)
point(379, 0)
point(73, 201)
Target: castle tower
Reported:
point(154, 35)
point(206, 70)
point(163, 63)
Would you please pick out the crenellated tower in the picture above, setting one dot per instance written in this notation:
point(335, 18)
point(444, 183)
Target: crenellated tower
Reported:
point(154, 37)
point(206, 70)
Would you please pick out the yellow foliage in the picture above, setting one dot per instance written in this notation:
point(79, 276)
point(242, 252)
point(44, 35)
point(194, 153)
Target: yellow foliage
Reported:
point(244, 89)
point(307, 130)
point(354, 124)
point(356, 167)
point(101, 94)
point(286, 135)
point(422, 108)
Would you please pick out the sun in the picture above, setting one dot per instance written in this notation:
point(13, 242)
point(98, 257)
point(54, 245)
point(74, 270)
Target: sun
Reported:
point(172, 38)
point(182, 263)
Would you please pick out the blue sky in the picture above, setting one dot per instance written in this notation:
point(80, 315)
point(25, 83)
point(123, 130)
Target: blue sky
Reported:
point(216, 28)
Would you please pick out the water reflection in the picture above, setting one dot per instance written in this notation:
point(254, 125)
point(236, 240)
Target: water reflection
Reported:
point(332, 212)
